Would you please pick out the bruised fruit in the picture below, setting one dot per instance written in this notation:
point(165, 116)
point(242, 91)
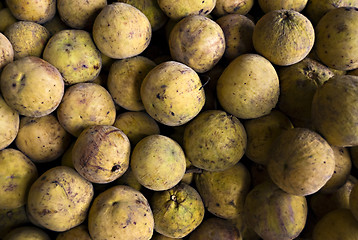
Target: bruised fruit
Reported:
point(301, 161)
point(284, 37)
point(59, 199)
point(172, 93)
point(198, 42)
point(158, 162)
point(248, 87)
point(177, 211)
point(32, 86)
point(101, 153)
point(274, 214)
point(120, 212)
point(335, 110)
point(121, 31)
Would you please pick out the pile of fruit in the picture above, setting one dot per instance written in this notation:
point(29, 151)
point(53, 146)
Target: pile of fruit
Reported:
point(178, 119)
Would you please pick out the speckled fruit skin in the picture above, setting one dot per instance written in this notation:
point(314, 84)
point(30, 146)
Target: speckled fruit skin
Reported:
point(172, 93)
point(27, 38)
point(120, 212)
point(9, 124)
point(59, 199)
point(177, 211)
point(75, 55)
point(7, 51)
point(269, 5)
point(32, 86)
point(335, 110)
point(301, 161)
point(198, 42)
point(336, 35)
point(38, 11)
point(17, 173)
point(177, 9)
point(101, 153)
point(121, 31)
point(284, 37)
point(223, 7)
point(158, 162)
point(275, 214)
point(214, 140)
point(248, 87)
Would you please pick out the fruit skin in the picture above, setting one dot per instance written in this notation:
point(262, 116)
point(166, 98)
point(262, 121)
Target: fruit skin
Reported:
point(178, 9)
point(9, 124)
point(177, 211)
point(269, 5)
point(151, 10)
point(335, 38)
point(301, 161)
point(120, 212)
point(79, 233)
point(284, 37)
point(12, 218)
point(223, 7)
point(27, 38)
point(124, 80)
point(335, 225)
point(84, 105)
point(335, 110)
point(172, 93)
point(101, 153)
point(74, 54)
point(59, 199)
point(39, 11)
point(353, 200)
point(136, 125)
point(215, 228)
point(28, 233)
point(261, 134)
point(121, 31)
point(298, 84)
point(32, 86)
point(7, 51)
point(198, 42)
point(6, 19)
point(214, 140)
point(17, 174)
point(79, 14)
point(158, 162)
point(42, 139)
point(238, 30)
point(224, 192)
point(248, 87)
point(273, 213)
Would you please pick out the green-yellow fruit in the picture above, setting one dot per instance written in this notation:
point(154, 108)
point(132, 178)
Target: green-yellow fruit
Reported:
point(275, 214)
point(177, 211)
point(101, 153)
point(214, 140)
point(353, 201)
point(224, 192)
point(12, 218)
point(121, 31)
point(198, 42)
point(27, 233)
point(216, 228)
point(59, 199)
point(7, 51)
point(172, 93)
point(9, 124)
point(6, 19)
point(42, 139)
point(74, 54)
point(158, 162)
point(336, 225)
point(301, 161)
point(84, 105)
point(177, 9)
point(120, 212)
point(270, 5)
point(27, 38)
point(17, 173)
point(223, 7)
point(248, 87)
point(335, 110)
point(336, 35)
point(284, 37)
point(32, 86)
point(77, 233)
